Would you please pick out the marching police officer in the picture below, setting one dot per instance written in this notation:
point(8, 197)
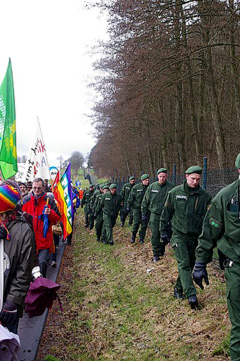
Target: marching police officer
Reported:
point(134, 202)
point(125, 194)
point(85, 201)
point(153, 202)
point(111, 203)
point(221, 228)
point(98, 214)
point(185, 208)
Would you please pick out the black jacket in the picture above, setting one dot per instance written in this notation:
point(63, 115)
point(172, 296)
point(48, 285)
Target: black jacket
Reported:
point(19, 259)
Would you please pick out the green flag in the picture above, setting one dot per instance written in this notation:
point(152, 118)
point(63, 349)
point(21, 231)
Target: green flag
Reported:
point(8, 147)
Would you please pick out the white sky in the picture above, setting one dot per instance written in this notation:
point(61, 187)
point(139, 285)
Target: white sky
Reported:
point(48, 43)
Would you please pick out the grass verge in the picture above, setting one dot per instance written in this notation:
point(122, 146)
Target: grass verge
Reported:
point(118, 305)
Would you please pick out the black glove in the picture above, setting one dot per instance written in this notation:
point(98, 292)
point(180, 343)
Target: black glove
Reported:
point(144, 219)
point(165, 239)
point(200, 273)
point(3, 233)
point(9, 313)
point(222, 258)
point(95, 215)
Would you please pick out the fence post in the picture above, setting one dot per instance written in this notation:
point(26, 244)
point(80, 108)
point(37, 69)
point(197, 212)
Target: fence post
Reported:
point(204, 172)
point(174, 173)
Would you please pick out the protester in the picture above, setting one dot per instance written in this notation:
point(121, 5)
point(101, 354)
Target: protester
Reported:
point(44, 210)
point(18, 241)
point(75, 205)
point(23, 188)
point(47, 188)
point(29, 186)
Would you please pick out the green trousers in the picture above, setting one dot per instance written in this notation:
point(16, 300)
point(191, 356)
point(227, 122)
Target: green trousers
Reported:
point(184, 249)
point(232, 275)
point(108, 224)
point(137, 222)
point(157, 246)
point(124, 214)
point(99, 226)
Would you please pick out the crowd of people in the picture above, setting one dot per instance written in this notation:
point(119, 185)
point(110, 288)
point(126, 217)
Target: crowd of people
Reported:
point(185, 216)
point(30, 227)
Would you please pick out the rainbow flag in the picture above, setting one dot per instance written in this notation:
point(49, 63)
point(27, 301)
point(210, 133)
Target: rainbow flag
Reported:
point(63, 195)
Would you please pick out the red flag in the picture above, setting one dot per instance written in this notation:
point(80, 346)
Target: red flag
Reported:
point(56, 180)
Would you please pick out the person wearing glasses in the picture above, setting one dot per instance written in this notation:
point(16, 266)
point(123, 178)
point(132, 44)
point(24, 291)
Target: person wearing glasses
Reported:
point(45, 213)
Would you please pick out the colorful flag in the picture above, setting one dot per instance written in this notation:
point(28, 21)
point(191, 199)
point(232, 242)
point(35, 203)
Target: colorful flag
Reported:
point(37, 162)
point(63, 195)
point(8, 147)
point(56, 180)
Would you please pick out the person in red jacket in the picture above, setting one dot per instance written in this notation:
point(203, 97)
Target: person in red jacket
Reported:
point(41, 206)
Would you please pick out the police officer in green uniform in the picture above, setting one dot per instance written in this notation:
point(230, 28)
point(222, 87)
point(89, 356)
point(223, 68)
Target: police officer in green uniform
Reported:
point(153, 202)
point(134, 202)
point(125, 194)
point(91, 206)
point(85, 202)
point(111, 203)
point(185, 208)
point(98, 214)
point(221, 228)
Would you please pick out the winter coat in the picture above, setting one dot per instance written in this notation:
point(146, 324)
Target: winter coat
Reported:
point(19, 261)
point(35, 207)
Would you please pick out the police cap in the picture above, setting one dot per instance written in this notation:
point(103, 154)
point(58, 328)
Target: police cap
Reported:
point(237, 162)
point(194, 169)
point(144, 176)
point(162, 170)
point(113, 185)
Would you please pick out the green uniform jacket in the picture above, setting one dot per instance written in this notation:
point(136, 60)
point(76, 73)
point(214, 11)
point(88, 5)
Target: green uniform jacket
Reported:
point(125, 192)
point(155, 197)
point(185, 207)
point(86, 198)
point(97, 203)
point(136, 196)
point(221, 226)
point(92, 199)
point(111, 204)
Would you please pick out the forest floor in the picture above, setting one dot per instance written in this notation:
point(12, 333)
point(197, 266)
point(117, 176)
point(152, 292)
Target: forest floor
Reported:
point(118, 305)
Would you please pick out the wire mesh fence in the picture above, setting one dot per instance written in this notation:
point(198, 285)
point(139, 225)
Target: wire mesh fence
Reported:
point(212, 180)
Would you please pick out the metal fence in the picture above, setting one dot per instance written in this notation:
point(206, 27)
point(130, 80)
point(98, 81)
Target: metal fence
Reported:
point(212, 180)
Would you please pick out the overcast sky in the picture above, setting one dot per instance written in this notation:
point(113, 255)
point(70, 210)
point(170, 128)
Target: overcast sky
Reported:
point(48, 42)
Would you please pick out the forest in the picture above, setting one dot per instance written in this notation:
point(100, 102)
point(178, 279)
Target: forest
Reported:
point(168, 85)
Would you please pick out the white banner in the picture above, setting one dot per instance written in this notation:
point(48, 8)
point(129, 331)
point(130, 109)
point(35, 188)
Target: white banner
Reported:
point(37, 163)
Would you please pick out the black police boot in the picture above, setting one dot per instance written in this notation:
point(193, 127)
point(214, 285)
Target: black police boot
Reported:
point(122, 223)
point(193, 301)
point(177, 294)
point(111, 243)
point(132, 239)
point(156, 259)
point(141, 241)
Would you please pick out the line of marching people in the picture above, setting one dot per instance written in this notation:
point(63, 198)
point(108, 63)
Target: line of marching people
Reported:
point(189, 219)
